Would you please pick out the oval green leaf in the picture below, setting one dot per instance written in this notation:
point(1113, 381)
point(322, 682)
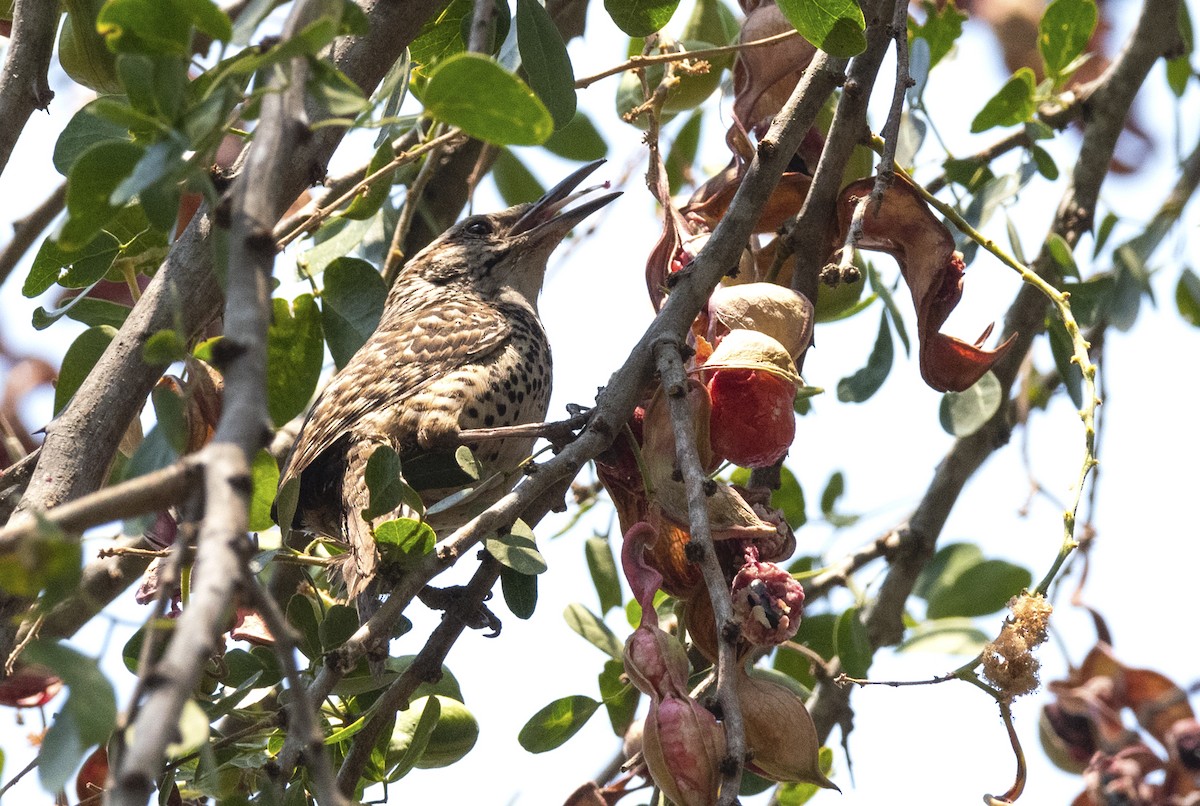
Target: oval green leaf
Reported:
point(545, 59)
point(1012, 105)
point(835, 26)
point(517, 552)
point(595, 631)
point(963, 413)
point(295, 350)
point(981, 589)
point(486, 101)
point(81, 356)
point(640, 17)
point(556, 723)
point(351, 305)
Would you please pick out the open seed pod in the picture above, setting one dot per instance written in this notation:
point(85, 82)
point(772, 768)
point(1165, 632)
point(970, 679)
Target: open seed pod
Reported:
point(765, 308)
point(742, 348)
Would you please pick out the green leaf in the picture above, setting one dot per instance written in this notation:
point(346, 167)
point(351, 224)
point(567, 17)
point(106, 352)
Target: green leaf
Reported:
point(385, 482)
point(946, 566)
point(295, 350)
point(334, 240)
point(983, 588)
point(87, 717)
point(579, 140)
point(169, 412)
point(1060, 250)
point(441, 36)
point(1179, 73)
point(264, 480)
point(91, 312)
point(514, 181)
point(1064, 32)
point(164, 347)
point(603, 568)
point(852, 644)
point(1012, 105)
point(335, 92)
point(1103, 231)
point(154, 453)
point(593, 630)
point(84, 130)
point(866, 382)
point(683, 151)
point(556, 723)
point(486, 101)
point(516, 551)
point(545, 59)
point(1187, 297)
point(302, 614)
point(640, 17)
point(1063, 351)
point(47, 565)
point(404, 542)
point(619, 695)
point(789, 499)
point(889, 302)
point(834, 26)
point(947, 636)
point(368, 204)
point(963, 413)
point(1044, 162)
point(90, 184)
point(411, 738)
point(834, 489)
point(83, 266)
point(160, 26)
point(817, 632)
point(520, 592)
point(941, 28)
point(340, 623)
point(351, 306)
point(1091, 300)
point(81, 356)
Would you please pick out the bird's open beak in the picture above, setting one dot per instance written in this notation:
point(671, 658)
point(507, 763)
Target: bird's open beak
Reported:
point(546, 216)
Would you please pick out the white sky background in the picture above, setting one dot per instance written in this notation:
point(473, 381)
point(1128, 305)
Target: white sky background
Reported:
point(937, 745)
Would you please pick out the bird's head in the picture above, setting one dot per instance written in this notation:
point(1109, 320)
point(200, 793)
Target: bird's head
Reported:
point(505, 253)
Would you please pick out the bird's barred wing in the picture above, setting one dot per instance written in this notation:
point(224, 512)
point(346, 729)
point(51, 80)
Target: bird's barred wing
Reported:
point(405, 353)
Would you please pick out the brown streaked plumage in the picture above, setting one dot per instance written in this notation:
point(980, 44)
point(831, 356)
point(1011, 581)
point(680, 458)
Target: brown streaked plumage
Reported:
point(459, 346)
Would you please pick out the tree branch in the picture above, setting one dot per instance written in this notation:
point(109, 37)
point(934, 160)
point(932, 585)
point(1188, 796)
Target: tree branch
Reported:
point(24, 82)
point(808, 235)
point(669, 360)
point(260, 197)
point(26, 230)
point(184, 296)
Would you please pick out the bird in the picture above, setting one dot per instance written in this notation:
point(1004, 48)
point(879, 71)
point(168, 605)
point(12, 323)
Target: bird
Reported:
point(459, 346)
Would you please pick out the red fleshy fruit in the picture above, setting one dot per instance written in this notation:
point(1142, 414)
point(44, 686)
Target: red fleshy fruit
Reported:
point(752, 422)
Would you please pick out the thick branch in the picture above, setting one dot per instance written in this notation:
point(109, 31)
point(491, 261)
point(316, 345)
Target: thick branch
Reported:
point(184, 296)
point(24, 82)
point(223, 548)
point(675, 385)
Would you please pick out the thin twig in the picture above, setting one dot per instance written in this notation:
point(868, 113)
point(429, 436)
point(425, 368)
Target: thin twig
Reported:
point(412, 200)
point(301, 710)
point(641, 61)
point(27, 229)
point(891, 128)
point(669, 361)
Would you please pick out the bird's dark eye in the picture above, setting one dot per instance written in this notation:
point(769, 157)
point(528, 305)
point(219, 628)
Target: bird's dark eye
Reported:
point(480, 227)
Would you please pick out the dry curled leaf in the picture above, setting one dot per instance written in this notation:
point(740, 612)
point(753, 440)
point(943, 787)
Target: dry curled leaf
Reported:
point(905, 228)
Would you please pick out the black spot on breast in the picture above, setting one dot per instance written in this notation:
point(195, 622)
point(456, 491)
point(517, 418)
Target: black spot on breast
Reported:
point(489, 421)
point(501, 409)
point(473, 413)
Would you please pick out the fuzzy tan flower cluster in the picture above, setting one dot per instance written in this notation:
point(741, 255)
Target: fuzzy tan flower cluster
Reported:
point(1008, 661)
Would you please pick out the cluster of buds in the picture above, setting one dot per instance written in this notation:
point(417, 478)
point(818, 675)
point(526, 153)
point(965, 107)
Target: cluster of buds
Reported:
point(1083, 731)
